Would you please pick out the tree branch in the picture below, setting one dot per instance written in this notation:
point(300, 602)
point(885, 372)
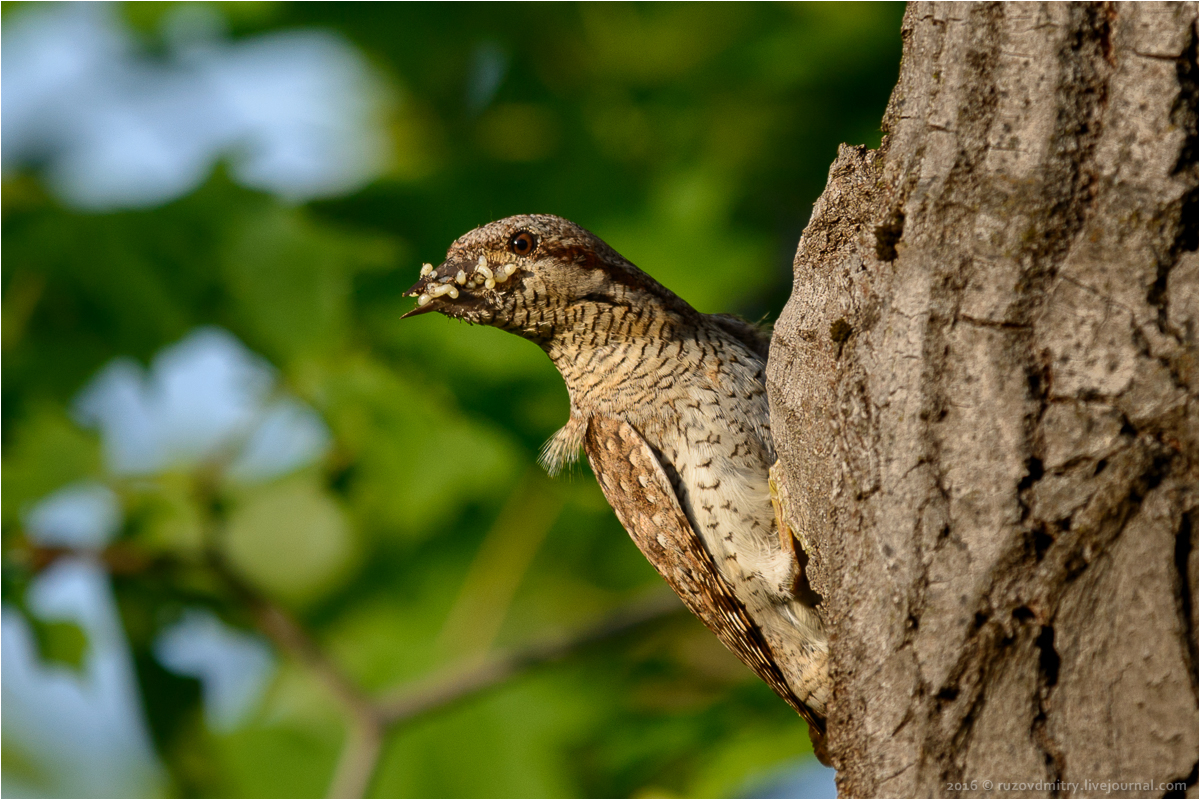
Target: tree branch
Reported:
point(440, 691)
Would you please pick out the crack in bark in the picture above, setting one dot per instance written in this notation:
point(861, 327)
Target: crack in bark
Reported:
point(1049, 662)
point(1185, 546)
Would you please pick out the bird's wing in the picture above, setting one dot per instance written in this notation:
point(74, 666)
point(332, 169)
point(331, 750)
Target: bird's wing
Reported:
point(753, 336)
point(638, 489)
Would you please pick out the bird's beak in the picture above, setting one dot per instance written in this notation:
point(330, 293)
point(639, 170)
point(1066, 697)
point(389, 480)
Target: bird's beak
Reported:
point(426, 290)
point(425, 309)
point(461, 290)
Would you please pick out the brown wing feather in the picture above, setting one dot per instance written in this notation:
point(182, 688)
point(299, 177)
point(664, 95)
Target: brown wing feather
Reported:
point(638, 489)
point(751, 335)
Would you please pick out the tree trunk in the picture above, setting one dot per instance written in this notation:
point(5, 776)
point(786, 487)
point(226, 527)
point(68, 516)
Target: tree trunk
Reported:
point(984, 390)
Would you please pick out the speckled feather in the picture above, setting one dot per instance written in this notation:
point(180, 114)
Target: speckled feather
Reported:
point(669, 404)
point(640, 493)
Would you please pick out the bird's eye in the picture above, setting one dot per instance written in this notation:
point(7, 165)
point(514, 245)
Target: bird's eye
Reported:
point(522, 243)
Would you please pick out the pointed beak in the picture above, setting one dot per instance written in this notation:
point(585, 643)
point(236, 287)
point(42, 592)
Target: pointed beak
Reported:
point(425, 290)
point(415, 291)
point(418, 311)
point(462, 290)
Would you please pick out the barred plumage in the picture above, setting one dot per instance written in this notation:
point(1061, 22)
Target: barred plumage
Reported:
point(670, 406)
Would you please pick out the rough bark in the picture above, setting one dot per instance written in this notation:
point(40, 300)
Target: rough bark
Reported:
point(984, 393)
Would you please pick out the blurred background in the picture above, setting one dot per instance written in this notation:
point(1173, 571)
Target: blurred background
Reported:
point(259, 536)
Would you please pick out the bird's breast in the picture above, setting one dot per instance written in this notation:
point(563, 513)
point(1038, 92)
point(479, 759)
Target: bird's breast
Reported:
point(718, 461)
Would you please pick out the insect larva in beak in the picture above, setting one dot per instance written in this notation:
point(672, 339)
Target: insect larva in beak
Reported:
point(444, 288)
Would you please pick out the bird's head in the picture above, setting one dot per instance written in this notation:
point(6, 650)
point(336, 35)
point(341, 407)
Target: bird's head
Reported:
point(527, 273)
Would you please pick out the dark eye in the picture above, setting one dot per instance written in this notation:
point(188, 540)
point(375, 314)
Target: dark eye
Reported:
point(522, 243)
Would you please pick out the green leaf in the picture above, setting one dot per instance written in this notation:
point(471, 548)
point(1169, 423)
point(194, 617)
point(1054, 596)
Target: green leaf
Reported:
point(291, 539)
point(48, 451)
point(418, 461)
point(290, 278)
point(276, 761)
point(60, 642)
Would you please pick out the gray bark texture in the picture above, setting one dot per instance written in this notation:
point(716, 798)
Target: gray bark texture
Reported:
point(984, 397)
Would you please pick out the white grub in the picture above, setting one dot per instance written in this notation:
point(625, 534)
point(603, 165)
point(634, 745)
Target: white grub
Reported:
point(426, 269)
point(444, 288)
point(423, 300)
point(483, 269)
point(489, 283)
point(509, 270)
point(460, 278)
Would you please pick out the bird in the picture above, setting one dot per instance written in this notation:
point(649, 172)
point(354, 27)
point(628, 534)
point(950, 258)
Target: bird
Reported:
point(670, 407)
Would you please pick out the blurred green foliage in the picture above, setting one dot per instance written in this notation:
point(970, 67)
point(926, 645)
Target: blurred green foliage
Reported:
point(692, 137)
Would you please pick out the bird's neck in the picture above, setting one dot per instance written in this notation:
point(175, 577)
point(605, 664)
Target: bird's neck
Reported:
point(612, 355)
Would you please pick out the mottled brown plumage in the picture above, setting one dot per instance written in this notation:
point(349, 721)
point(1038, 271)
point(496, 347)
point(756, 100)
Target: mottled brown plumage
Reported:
point(670, 406)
